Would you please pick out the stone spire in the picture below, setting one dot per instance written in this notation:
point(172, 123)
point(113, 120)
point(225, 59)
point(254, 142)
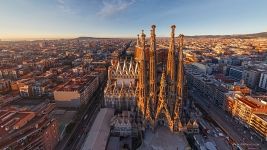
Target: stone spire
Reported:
point(142, 77)
point(180, 84)
point(138, 41)
point(171, 53)
point(171, 71)
point(162, 108)
point(143, 39)
point(152, 67)
point(151, 104)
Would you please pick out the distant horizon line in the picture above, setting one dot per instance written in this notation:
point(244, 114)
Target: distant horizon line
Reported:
point(114, 37)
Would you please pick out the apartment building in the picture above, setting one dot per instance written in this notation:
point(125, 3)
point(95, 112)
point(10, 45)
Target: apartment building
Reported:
point(250, 111)
point(251, 77)
point(4, 86)
point(76, 92)
point(28, 129)
point(263, 81)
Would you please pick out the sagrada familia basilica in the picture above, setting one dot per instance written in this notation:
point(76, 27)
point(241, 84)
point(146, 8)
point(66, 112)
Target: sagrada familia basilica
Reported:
point(135, 84)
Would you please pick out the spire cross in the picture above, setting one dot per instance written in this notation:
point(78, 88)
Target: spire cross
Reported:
point(181, 39)
point(153, 29)
point(173, 30)
point(138, 40)
point(143, 38)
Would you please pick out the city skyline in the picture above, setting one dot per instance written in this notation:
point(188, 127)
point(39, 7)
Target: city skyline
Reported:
point(150, 92)
point(30, 19)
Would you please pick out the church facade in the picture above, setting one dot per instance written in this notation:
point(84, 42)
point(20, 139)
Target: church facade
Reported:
point(135, 85)
point(121, 90)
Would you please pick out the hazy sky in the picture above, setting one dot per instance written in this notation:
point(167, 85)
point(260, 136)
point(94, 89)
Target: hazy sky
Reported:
point(125, 18)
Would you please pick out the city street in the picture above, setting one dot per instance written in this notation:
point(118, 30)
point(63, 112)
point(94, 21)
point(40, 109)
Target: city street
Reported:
point(237, 132)
point(79, 132)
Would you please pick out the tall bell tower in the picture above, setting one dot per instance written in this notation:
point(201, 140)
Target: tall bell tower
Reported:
point(180, 86)
point(171, 71)
point(152, 72)
point(171, 55)
point(142, 80)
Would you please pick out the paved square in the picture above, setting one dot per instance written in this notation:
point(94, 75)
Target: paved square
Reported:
point(164, 139)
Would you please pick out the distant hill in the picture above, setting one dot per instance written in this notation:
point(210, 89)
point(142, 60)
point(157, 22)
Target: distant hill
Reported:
point(242, 36)
point(85, 38)
point(261, 34)
point(100, 38)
